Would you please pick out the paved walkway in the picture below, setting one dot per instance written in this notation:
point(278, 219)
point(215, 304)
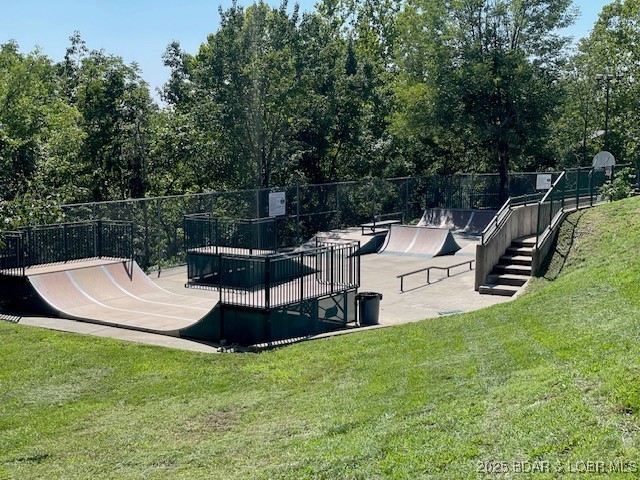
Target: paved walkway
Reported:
point(419, 301)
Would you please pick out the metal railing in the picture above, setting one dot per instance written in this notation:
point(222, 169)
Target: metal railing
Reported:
point(283, 279)
point(503, 214)
point(573, 189)
point(12, 258)
point(224, 235)
point(66, 242)
point(434, 267)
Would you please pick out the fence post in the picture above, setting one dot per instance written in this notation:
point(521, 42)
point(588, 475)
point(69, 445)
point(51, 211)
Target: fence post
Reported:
point(98, 227)
point(331, 267)
point(21, 254)
point(301, 277)
point(373, 196)
point(406, 200)
point(132, 248)
point(65, 246)
point(267, 282)
point(298, 214)
point(538, 223)
point(578, 190)
point(551, 206)
point(217, 236)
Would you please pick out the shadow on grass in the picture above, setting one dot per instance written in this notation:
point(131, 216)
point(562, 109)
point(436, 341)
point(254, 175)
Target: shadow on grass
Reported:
point(557, 260)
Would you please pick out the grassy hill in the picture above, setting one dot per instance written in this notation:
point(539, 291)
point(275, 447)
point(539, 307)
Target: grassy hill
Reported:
point(551, 380)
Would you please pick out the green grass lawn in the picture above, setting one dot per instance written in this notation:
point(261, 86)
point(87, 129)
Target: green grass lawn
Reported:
point(552, 377)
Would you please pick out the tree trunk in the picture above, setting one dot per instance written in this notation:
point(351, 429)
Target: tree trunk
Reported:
point(503, 169)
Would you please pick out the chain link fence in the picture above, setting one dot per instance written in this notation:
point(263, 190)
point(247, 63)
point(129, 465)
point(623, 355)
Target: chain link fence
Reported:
point(308, 209)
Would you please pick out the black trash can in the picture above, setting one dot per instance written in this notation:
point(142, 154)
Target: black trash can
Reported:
point(368, 307)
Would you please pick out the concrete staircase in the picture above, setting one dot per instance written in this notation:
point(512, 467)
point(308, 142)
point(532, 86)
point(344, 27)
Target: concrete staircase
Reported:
point(513, 271)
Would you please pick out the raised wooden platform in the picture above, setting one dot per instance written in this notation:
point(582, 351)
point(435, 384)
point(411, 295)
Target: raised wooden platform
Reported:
point(63, 266)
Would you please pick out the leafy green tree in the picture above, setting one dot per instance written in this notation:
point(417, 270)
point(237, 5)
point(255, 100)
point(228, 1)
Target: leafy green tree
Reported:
point(39, 132)
point(611, 49)
point(239, 92)
point(115, 107)
point(481, 80)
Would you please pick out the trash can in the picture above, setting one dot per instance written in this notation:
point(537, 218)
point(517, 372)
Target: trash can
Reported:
point(368, 307)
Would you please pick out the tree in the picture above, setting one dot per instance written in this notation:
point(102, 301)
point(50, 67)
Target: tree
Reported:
point(240, 91)
point(611, 49)
point(486, 72)
point(115, 107)
point(39, 132)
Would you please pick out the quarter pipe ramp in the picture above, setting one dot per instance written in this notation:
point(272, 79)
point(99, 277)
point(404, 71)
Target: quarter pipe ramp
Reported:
point(419, 241)
point(116, 294)
point(458, 220)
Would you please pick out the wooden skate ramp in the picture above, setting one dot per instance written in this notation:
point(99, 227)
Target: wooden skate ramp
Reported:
point(368, 243)
point(121, 295)
point(419, 241)
point(458, 220)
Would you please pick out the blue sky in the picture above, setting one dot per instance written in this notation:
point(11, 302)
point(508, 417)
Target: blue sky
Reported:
point(139, 30)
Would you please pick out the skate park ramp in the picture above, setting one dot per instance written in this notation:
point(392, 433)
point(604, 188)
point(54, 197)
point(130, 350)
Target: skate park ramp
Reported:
point(458, 220)
point(368, 243)
point(120, 295)
point(419, 241)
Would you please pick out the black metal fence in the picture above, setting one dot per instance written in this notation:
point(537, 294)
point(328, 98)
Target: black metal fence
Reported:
point(308, 209)
point(282, 279)
point(66, 242)
point(574, 188)
point(12, 259)
point(205, 233)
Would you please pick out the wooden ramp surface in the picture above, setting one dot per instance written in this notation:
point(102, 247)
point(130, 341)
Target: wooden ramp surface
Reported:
point(119, 294)
point(458, 220)
point(419, 241)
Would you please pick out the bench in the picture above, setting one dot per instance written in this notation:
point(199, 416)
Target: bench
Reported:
point(428, 270)
point(379, 225)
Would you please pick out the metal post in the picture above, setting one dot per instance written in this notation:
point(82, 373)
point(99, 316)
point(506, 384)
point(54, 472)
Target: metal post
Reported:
point(65, 246)
point(538, 223)
point(298, 240)
point(159, 233)
point(578, 190)
point(373, 196)
point(331, 266)
point(95, 239)
point(606, 117)
point(100, 249)
point(267, 282)
point(406, 201)
point(301, 272)
point(217, 236)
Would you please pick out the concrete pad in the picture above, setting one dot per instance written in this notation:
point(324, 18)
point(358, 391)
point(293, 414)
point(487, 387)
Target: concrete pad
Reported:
point(420, 301)
point(123, 334)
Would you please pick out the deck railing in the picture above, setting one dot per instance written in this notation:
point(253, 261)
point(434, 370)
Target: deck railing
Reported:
point(65, 242)
point(270, 281)
point(225, 235)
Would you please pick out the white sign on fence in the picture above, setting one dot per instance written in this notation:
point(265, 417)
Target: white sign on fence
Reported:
point(543, 181)
point(277, 204)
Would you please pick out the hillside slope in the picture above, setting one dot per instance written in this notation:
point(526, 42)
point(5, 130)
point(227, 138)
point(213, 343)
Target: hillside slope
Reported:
point(552, 379)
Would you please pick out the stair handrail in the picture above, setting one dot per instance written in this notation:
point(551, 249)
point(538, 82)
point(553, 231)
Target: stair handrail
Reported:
point(496, 222)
